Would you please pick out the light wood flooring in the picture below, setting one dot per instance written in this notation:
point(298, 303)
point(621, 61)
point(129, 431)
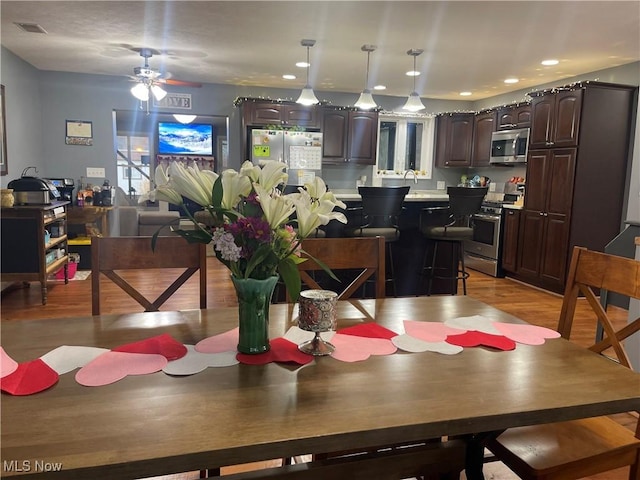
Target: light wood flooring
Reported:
point(535, 306)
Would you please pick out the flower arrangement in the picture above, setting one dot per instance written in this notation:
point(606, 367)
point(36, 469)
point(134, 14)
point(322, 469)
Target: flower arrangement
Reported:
point(251, 221)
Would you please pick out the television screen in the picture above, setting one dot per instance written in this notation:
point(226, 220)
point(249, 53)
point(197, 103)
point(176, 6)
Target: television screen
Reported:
point(185, 139)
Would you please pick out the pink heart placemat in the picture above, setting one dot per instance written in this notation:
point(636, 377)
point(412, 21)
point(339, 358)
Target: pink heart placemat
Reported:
point(164, 345)
point(113, 366)
point(430, 331)
point(282, 351)
point(351, 348)
point(29, 378)
point(7, 364)
point(225, 342)
point(526, 334)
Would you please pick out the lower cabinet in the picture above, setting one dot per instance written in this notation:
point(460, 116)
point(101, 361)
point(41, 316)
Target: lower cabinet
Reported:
point(510, 240)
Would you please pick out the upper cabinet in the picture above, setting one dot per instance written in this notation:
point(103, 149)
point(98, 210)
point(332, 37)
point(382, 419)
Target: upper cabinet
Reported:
point(282, 114)
point(454, 139)
point(349, 136)
point(555, 119)
point(514, 116)
point(484, 124)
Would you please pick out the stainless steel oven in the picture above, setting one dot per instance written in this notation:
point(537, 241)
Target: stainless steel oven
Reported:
point(483, 251)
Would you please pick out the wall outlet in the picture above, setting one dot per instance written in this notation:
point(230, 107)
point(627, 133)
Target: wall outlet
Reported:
point(492, 187)
point(440, 186)
point(95, 172)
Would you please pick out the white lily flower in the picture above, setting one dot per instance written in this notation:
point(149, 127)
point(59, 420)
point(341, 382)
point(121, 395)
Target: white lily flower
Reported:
point(234, 187)
point(166, 194)
point(318, 190)
point(277, 209)
point(189, 183)
point(272, 174)
point(250, 170)
point(308, 220)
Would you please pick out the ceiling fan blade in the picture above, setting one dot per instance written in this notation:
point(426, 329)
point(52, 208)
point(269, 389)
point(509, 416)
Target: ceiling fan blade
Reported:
point(180, 83)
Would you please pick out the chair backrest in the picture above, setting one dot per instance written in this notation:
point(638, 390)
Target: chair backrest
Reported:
point(591, 270)
point(110, 255)
point(465, 201)
point(364, 255)
point(381, 206)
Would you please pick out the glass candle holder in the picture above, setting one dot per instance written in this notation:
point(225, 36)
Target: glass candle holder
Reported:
point(317, 313)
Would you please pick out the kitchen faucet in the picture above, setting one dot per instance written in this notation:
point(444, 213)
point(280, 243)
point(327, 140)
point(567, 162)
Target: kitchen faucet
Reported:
point(415, 177)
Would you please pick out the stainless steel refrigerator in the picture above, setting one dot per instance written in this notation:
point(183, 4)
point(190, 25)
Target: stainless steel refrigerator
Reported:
point(301, 151)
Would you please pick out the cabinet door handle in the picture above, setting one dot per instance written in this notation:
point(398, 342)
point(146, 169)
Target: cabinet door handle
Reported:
point(510, 213)
point(549, 144)
point(541, 214)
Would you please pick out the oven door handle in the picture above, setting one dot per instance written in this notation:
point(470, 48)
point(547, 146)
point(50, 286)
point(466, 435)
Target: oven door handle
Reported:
point(484, 216)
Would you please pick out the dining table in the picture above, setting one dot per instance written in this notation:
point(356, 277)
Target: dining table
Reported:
point(158, 424)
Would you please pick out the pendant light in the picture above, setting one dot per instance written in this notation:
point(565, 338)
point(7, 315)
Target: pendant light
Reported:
point(414, 103)
point(307, 97)
point(141, 91)
point(184, 118)
point(366, 101)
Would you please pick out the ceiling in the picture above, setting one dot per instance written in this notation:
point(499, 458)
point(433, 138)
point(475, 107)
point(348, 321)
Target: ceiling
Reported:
point(468, 46)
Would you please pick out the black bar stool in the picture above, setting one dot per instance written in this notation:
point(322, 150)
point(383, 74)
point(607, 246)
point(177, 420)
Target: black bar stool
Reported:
point(450, 225)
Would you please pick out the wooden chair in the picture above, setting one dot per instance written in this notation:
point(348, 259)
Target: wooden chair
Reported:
point(109, 255)
point(585, 447)
point(362, 254)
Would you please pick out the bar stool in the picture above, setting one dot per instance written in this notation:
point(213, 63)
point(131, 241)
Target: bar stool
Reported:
point(381, 208)
point(450, 225)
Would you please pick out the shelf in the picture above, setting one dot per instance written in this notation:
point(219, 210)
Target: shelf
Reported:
point(55, 241)
point(57, 218)
point(56, 264)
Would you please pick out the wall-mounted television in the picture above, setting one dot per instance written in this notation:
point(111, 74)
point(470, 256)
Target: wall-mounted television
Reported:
point(185, 139)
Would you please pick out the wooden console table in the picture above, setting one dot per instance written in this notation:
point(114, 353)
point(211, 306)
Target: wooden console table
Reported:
point(90, 215)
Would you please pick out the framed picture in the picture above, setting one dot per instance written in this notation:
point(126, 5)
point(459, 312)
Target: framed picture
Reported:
point(79, 133)
point(3, 135)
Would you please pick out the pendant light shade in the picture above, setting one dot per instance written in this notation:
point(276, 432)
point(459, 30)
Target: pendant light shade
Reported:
point(307, 97)
point(414, 103)
point(158, 92)
point(366, 101)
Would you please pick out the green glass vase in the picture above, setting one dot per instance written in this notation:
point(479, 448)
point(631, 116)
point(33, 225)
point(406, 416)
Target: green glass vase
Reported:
point(254, 298)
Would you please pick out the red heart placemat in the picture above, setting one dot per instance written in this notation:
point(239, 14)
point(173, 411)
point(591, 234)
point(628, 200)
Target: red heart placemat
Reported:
point(369, 330)
point(29, 378)
point(164, 345)
point(475, 338)
point(282, 350)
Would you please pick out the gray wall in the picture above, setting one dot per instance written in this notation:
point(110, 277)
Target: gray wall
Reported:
point(39, 102)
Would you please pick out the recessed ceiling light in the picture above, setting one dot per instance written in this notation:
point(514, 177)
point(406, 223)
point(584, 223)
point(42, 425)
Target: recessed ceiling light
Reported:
point(287, 76)
point(303, 64)
point(511, 80)
point(465, 94)
point(380, 87)
point(551, 61)
point(413, 73)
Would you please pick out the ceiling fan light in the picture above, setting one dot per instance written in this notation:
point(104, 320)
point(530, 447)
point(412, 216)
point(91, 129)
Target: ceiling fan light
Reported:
point(158, 92)
point(307, 97)
point(366, 101)
point(141, 92)
point(414, 103)
point(184, 118)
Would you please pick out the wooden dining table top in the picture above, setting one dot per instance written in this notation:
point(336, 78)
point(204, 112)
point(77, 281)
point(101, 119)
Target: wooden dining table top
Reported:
point(158, 424)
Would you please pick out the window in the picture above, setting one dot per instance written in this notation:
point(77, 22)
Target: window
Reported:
point(405, 143)
point(133, 164)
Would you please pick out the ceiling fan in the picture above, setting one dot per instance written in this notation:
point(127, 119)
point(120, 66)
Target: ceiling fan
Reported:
point(149, 80)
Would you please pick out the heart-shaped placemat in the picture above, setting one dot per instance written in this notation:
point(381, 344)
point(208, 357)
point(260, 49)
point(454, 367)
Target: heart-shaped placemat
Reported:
point(113, 366)
point(370, 330)
point(29, 378)
point(7, 364)
point(476, 339)
point(224, 342)
point(352, 348)
point(525, 334)
point(281, 350)
point(164, 345)
point(69, 357)
point(194, 362)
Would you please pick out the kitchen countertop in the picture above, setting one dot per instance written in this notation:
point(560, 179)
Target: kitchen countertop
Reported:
point(412, 196)
point(512, 207)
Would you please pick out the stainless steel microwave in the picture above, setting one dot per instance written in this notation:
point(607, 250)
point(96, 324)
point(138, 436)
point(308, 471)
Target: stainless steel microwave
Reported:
point(509, 146)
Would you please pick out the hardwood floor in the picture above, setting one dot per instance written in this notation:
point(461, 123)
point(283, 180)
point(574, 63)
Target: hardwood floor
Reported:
point(535, 306)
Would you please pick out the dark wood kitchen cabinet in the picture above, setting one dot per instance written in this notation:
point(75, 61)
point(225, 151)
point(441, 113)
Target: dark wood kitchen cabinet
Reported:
point(574, 196)
point(484, 124)
point(514, 116)
point(349, 136)
point(556, 119)
point(280, 114)
point(454, 139)
point(510, 240)
point(546, 215)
